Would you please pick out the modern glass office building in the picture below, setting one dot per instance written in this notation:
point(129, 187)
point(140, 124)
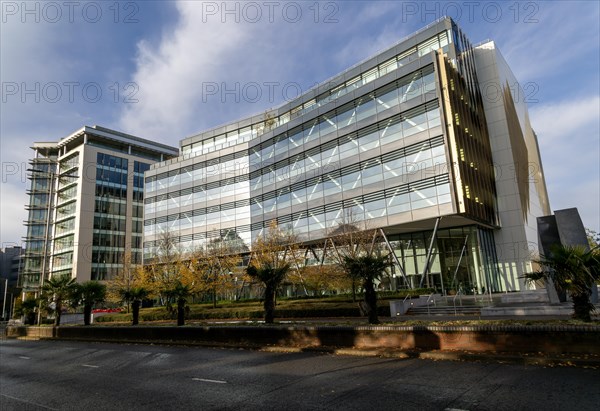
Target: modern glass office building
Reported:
point(401, 140)
point(86, 205)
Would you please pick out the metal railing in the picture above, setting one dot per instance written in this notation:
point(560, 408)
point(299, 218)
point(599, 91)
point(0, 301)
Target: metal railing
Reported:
point(404, 303)
point(429, 300)
point(458, 294)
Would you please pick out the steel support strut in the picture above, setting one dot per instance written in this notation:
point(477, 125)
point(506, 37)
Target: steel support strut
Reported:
point(394, 255)
point(430, 251)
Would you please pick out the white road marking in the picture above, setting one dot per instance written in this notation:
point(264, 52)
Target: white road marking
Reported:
point(213, 381)
point(24, 358)
point(90, 366)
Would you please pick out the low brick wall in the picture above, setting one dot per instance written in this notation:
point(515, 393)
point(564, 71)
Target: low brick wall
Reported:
point(515, 339)
point(30, 332)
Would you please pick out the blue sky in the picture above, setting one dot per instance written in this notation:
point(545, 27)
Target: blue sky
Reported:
point(161, 70)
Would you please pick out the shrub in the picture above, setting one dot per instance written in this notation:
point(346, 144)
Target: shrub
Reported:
point(288, 309)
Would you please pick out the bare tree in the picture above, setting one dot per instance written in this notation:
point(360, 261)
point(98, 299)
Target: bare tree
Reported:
point(319, 279)
point(121, 284)
point(213, 266)
point(165, 268)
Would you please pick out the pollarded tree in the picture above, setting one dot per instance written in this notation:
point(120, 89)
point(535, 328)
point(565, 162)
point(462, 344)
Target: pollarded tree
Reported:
point(135, 295)
point(367, 268)
point(272, 257)
point(170, 276)
point(180, 292)
point(88, 294)
point(27, 309)
point(360, 256)
point(59, 290)
point(572, 269)
point(125, 286)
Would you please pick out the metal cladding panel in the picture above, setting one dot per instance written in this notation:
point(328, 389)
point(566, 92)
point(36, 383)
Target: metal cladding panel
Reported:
point(564, 227)
point(468, 144)
point(570, 228)
point(548, 233)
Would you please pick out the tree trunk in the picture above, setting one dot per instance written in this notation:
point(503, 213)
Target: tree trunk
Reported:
point(371, 301)
point(238, 294)
point(269, 304)
point(582, 307)
point(214, 295)
point(87, 314)
point(57, 315)
point(135, 308)
point(353, 291)
point(180, 312)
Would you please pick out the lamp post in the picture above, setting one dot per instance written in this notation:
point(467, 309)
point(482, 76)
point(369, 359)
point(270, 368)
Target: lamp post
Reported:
point(11, 306)
point(4, 300)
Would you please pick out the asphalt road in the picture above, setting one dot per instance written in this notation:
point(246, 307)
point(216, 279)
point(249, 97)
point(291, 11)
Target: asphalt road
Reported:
point(44, 375)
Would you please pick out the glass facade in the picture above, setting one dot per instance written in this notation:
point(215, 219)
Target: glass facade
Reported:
point(42, 176)
point(375, 144)
point(339, 89)
point(414, 86)
point(90, 184)
point(315, 174)
point(110, 215)
point(400, 141)
point(462, 260)
point(66, 210)
point(137, 219)
point(115, 216)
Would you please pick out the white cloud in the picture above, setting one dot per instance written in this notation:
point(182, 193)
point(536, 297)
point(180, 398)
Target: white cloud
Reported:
point(569, 137)
point(170, 77)
point(174, 76)
point(548, 38)
point(177, 76)
point(556, 121)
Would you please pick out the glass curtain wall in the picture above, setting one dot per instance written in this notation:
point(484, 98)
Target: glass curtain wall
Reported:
point(64, 229)
point(462, 260)
point(110, 216)
point(42, 173)
point(137, 229)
